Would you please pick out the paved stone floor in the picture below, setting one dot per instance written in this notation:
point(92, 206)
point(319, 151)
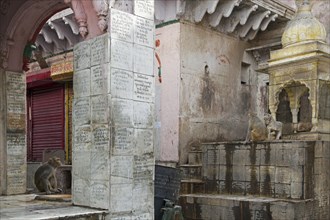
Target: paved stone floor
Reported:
point(27, 207)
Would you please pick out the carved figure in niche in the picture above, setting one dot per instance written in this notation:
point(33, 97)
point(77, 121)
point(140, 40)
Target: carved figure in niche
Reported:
point(45, 176)
point(273, 127)
point(257, 130)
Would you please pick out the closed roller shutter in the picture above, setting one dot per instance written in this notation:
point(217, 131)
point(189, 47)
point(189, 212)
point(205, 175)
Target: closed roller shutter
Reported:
point(46, 120)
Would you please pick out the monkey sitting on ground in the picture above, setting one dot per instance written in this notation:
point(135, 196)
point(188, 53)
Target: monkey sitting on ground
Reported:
point(257, 130)
point(45, 176)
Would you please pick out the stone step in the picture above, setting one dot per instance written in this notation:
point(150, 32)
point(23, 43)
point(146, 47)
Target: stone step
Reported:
point(192, 186)
point(191, 171)
point(231, 207)
point(195, 157)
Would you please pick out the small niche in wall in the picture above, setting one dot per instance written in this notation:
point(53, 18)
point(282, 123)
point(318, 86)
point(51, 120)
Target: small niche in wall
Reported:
point(245, 73)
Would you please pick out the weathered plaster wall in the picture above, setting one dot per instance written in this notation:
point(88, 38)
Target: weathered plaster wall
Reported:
point(213, 102)
point(167, 94)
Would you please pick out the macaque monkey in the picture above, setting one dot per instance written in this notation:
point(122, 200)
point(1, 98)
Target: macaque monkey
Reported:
point(257, 130)
point(45, 176)
point(273, 125)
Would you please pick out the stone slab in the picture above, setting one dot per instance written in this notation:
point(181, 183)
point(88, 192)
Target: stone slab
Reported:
point(121, 198)
point(122, 112)
point(81, 111)
point(101, 138)
point(100, 50)
point(99, 196)
point(121, 83)
point(143, 114)
point(123, 141)
point(143, 60)
point(143, 141)
point(144, 32)
point(99, 79)
point(121, 25)
point(82, 56)
point(121, 169)
point(100, 109)
point(82, 83)
point(122, 55)
point(144, 8)
point(144, 87)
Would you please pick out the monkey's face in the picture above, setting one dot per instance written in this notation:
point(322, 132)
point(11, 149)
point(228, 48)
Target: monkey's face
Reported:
point(55, 162)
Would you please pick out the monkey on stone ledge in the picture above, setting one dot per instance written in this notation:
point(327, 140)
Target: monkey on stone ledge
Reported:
point(45, 176)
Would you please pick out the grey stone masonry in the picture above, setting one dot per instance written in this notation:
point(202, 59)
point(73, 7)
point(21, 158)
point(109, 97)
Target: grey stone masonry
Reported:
point(113, 114)
point(13, 154)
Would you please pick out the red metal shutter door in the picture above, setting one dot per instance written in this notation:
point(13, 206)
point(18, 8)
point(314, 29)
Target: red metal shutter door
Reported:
point(47, 120)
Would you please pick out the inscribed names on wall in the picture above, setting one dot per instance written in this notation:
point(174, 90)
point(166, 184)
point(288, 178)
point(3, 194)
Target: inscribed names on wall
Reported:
point(121, 26)
point(144, 8)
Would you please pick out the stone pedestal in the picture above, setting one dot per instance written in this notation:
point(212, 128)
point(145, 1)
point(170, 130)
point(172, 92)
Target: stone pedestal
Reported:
point(113, 115)
point(13, 133)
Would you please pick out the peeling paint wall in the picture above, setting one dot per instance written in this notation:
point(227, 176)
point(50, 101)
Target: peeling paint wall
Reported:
point(167, 95)
point(213, 101)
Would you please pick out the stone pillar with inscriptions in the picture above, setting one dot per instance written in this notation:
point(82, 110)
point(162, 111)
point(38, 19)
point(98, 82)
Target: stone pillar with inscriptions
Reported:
point(113, 115)
point(13, 133)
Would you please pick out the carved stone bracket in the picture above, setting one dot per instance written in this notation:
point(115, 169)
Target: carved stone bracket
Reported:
point(102, 8)
point(80, 16)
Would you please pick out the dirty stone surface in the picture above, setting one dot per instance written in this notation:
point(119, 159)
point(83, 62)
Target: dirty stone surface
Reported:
point(28, 207)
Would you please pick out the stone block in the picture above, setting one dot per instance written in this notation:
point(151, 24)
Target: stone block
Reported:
point(144, 32)
point(297, 173)
point(123, 141)
point(99, 79)
point(82, 83)
point(121, 25)
point(99, 109)
point(283, 156)
point(298, 156)
point(143, 60)
point(252, 173)
point(143, 141)
point(143, 197)
point(282, 175)
point(122, 55)
point(121, 198)
point(81, 164)
point(143, 114)
point(296, 190)
point(143, 167)
point(212, 156)
point(268, 155)
point(239, 173)
point(82, 56)
point(121, 169)
point(267, 174)
point(99, 197)
point(121, 83)
point(225, 157)
point(240, 157)
point(122, 112)
point(81, 111)
point(144, 8)
point(239, 187)
point(253, 187)
point(253, 156)
point(144, 88)
point(100, 165)
point(81, 191)
point(100, 50)
point(282, 190)
point(82, 138)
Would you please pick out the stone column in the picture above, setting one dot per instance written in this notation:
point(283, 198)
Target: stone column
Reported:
point(113, 115)
point(13, 132)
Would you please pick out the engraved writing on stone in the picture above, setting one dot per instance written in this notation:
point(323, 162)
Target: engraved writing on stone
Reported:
point(15, 144)
point(122, 111)
point(99, 194)
point(15, 122)
point(121, 83)
point(144, 32)
point(82, 84)
point(143, 167)
point(101, 138)
point(143, 141)
point(15, 83)
point(121, 169)
point(143, 88)
point(99, 109)
point(81, 111)
point(82, 56)
point(144, 8)
point(99, 79)
point(123, 141)
point(122, 25)
point(121, 55)
point(143, 60)
point(82, 137)
point(100, 50)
